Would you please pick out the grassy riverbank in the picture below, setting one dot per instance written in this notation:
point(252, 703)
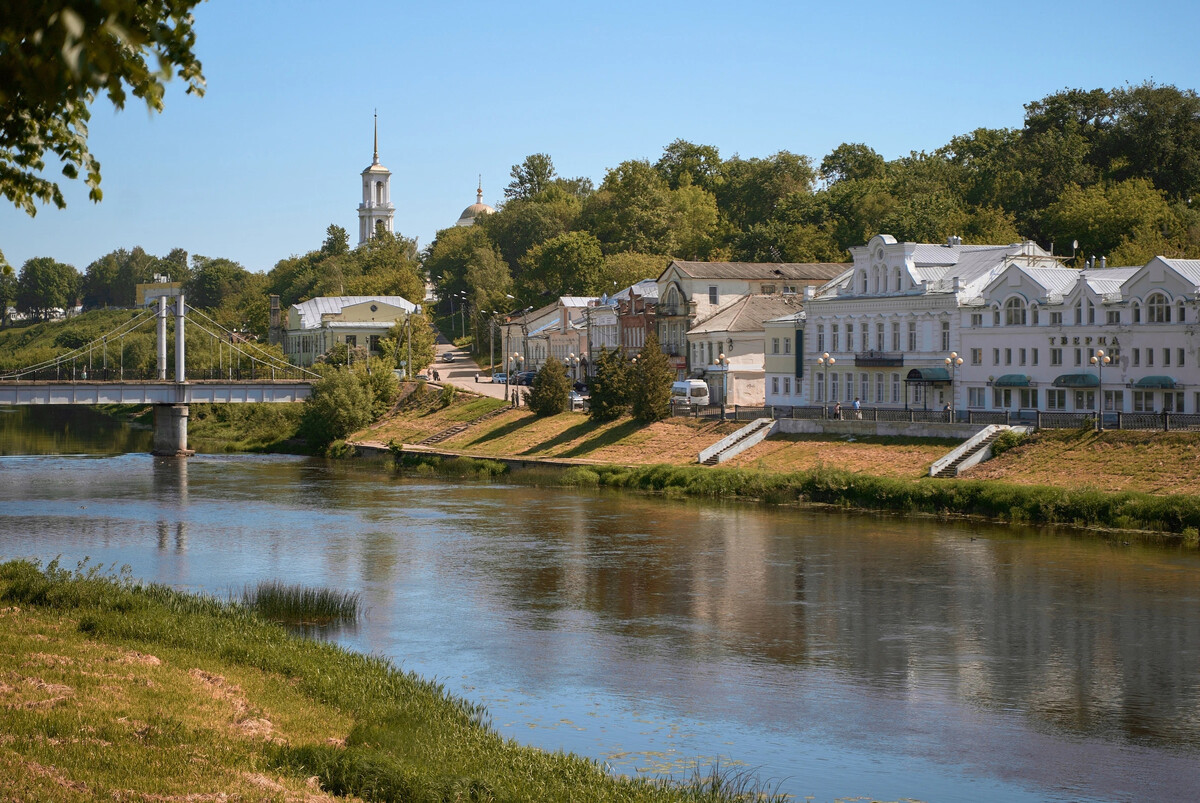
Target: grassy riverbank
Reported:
point(112, 690)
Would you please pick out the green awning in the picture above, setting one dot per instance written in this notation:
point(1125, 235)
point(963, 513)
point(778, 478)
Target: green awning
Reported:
point(1155, 382)
point(1012, 381)
point(928, 375)
point(1077, 381)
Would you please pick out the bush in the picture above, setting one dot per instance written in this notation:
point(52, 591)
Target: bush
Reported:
point(548, 395)
point(1007, 440)
point(610, 386)
point(650, 392)
point(339, 404)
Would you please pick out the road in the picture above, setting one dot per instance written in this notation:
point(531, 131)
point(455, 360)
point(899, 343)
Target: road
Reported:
point(463, 371)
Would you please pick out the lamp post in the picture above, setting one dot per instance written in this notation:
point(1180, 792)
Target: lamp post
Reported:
point(723, 361)
point(573, 362)
point(514, 362)
point(823, 362)
point(1100, 360)
point(952, 362)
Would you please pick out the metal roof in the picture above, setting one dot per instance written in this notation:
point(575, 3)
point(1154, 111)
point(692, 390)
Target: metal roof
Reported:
point(314, 309)
point(746, 314)
point(1187, 268)
point(821, 271)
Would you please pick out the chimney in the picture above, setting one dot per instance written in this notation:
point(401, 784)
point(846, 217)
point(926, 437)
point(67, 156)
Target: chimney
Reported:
point(1103, 262)
point(275, 334)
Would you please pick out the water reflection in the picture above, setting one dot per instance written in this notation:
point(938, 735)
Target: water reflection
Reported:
point(66, 429)
point(853, 654)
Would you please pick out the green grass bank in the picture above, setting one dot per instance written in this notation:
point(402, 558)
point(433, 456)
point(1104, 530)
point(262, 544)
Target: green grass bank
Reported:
point(1173, 517)
point(115, 690)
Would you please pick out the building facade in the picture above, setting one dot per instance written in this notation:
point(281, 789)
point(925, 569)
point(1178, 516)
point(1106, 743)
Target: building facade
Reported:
point(727, 348)
point(317, 325)
point(783, 359)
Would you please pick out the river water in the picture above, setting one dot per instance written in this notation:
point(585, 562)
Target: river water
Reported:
point(837, 655)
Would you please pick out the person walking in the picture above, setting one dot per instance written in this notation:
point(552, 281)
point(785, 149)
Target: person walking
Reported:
point(837, 410)
point(857, 408)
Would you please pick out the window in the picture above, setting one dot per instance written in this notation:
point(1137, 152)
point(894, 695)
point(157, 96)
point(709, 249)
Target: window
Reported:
point(1179, 316)
point(1091, 313)
point(1149, 357)
point(912, 335)
point(768, 289)
point(879, 337)
point(819, 378)
point(895, 336)
point(1056, 356)
point(945, 335)
point(1056, 319)
point(1008, 356)
point(1114, 317)
point(787, 345)
point(787, 386)
point(1079, 356)
point(1079, 313)
point(374, 343)
point(1034, 361)
point(995, 356)
point(1029, 398)
point(351, 340)
point(976, 356)
point(1166, 357)
point(1056, 399)
point(864, 283)
point(864, 384)
point(1137, 357)
point(896, 274)
point(1001, 398)
point(849, 385)
point(1157, 309)
point(996, 316)
point(1114, 400)
point(849, 337)
point(833, 386)
point(834, 337)
point(1172, 402)
point(879, 388)
point(866, 337)
point(713, 297)
point(1137, 312)
point(775, 385)
point(1014, 312)
point(1020, 356)
point(774, 345)
point(1143, 401)
point(975, 397)
point(976, 319)
point(1085, 400)
point(820, 338)
point(1179, 357)
point(1033, 311)
point(895, 388)
point(789, 289)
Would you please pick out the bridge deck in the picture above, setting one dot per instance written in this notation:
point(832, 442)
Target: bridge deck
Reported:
point(154, 392)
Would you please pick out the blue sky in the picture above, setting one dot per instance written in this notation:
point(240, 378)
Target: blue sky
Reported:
point(257, 169)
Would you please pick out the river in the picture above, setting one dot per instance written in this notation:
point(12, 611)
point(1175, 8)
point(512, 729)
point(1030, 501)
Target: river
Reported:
point(837, 655)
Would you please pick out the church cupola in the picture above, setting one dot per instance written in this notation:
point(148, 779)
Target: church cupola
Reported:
point(376, 203)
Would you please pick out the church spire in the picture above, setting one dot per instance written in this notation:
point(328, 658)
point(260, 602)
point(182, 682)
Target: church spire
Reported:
point(375, 159)
point(479, 191)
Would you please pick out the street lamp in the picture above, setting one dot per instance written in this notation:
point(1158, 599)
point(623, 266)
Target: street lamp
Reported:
point(723, 361)
point(573, 362)
point(952, 362)
point(1100, 360)
point(823, 362)
point(514, 362)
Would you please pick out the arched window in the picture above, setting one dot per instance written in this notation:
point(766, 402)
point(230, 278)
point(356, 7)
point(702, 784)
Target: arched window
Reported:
point(1033, 314)
point(1157, 309)
point(1137, 312)
point(864, 282)
point(896, 274)
point(1014, 312)
point(996, 315)
point(378, 192)
point(1180, 316)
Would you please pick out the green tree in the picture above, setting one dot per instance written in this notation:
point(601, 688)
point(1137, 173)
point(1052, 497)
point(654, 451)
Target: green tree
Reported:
point(650, 389)
point(1103, 218)
point(45, 285)
point(213, 281)
point(395, 345)
point(111, 281)
point(852, 161)
point(528, 221)
point(339, 404)
point(548, 394)
point(609, 387)
point(531, 176)
point(8, 289)
point(684, 163)
point(337, 241)
point(56, 57)
point(625, 268)
point(752, 189)
point(569, 264)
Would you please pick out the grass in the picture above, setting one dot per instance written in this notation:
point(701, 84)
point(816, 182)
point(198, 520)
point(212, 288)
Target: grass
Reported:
point(121, 691)
point(301, 605)
point(245, 428)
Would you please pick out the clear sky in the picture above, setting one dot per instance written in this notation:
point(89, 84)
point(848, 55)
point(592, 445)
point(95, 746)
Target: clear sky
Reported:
point(258, 168)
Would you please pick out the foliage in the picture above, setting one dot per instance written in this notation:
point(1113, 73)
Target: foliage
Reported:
point(340, 404)
point(56, 57)
point(650, 389)
point(244, 427)
point(394, 346)
point(8, 289)
point(45, 285)
point(1006, 440)
point(298, 604)
point(548, 393)
point(609, 388)
point(567, 265)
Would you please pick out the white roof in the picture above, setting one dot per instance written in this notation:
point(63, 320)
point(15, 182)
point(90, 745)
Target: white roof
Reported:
point(1187, 268)
point(311, 311)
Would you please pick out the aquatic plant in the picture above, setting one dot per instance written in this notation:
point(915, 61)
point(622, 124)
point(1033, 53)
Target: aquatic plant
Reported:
point(301, 605)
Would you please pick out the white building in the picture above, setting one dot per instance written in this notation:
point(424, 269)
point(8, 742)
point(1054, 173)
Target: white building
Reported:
point(475, 210)
point(376, 206)
point(317, 325)
point(890, 322)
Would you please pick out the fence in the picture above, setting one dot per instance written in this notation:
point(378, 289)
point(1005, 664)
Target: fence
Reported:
point(1167, 422)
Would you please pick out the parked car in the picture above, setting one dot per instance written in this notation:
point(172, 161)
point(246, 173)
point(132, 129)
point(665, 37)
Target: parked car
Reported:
point(576, 400)
point(524, 377)
point(500, 378)
point(580, 387)
point(689, 391)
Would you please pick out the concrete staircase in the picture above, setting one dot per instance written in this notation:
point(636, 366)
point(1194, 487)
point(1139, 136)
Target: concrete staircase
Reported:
point(737, 442)
point(972, 452)
point(462, 426)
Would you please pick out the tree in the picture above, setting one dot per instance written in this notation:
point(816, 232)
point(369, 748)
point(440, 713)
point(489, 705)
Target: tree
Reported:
point(339, 405)
point(609, 386)
point(684, 163)
point(752, 189)
point(45, 285)
point(531, 176)
point(621, 270)
point(1102, 218)
point(395, 345)
point(549, 392)
point(852, 161)
point(111, 281)
point(337, 241)
point(56, 56)
point(525, 222)
point(568, 264)
point(213, 281)
point(650, 389)
point(8, 289)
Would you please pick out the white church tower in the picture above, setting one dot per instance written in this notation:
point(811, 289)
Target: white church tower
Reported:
point(377, 196)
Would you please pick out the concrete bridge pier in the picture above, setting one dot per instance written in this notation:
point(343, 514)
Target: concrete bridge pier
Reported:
point(170, 430)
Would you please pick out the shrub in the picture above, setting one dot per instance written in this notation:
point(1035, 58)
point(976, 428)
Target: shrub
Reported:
point(650, 392)
point(1006, 440)
point(610, 386)
point(548, 395)
point(339, 405)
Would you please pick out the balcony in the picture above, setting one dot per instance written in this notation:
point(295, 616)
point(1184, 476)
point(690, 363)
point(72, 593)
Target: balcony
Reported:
point(878, 359)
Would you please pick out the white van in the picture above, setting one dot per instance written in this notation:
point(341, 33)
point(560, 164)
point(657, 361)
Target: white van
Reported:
point(689, 391)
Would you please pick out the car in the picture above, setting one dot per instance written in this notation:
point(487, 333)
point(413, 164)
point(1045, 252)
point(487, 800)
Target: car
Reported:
point(524, 377)
point(448, 357)
point(580, 387)
point(576, 400)
point(500, 379)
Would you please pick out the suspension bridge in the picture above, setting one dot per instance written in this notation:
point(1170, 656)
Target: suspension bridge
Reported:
point(226, 368)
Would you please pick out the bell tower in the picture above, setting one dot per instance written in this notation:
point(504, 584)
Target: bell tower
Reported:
point(376, 196)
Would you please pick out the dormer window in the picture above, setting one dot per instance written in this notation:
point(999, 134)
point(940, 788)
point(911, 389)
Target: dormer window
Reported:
point(1157, 309)
point(1014, 312)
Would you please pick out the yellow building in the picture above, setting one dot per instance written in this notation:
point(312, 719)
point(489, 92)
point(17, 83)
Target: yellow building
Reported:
point(317, 325)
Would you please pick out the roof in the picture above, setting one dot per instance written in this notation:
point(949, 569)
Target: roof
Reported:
point(646, 288)
point(314, 309)
point(747, 314)
point(1108, 280)
point(934, 374)
point(577, 301)
point(1187, 268)
point(822, 271)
